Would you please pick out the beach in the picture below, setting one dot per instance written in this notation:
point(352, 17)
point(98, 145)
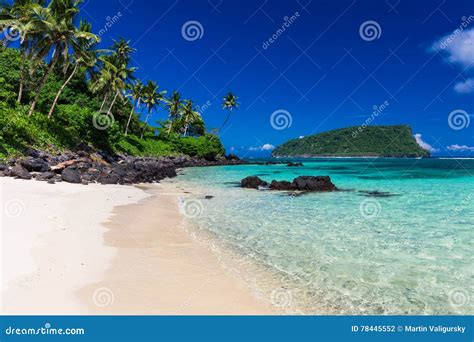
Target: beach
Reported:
point(95, 249)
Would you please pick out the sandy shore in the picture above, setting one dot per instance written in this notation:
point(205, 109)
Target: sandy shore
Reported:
point(73, 249)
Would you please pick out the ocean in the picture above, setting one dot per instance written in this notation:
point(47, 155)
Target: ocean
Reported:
point(408, 249)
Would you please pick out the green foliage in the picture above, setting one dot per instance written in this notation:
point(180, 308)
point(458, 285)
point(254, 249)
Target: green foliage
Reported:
point(208, 146)
point(382, 141)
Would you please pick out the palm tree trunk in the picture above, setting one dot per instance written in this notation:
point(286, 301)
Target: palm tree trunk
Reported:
point(60, 91)
point(137, 104)
point(225, 121)
point(146, 124)
point(103, 102)
point(113, 102)
point(52, 63)
point(185, 129)
point(22, 76)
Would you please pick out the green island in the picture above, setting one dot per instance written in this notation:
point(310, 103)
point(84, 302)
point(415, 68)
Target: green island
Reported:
point(358, 141)
point(59, 90)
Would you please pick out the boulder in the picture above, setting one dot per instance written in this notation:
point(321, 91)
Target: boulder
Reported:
point(45, 176)
point(252, 182)
point(19, 171)
point(293, 164)
point(281, 185)
point(34, 164)
point(71, 175)
point(313, 183)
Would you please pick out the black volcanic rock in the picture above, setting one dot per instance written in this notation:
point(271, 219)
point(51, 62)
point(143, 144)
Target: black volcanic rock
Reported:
point(293, 164)
point(252, 182)
point(71, 175)
point(35, 164)
point(302, 183)
point(19, 171)
point(281, 185)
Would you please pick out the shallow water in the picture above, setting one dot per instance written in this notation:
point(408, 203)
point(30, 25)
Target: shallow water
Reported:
point(348, 252)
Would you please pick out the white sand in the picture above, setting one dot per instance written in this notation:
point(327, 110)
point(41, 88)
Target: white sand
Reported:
point(52, 242)
point(75, 249)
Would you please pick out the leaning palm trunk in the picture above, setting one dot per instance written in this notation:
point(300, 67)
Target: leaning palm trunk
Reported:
point(52, 63)
point(146, 124)
point(137, 104)
point(225, 121)
point(113, 102)
point(103, 102)
point(60, 91)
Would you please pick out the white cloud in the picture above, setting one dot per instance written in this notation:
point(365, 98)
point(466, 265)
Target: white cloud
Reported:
point(423, 144)
point(465, 87)
point(457, 147)
point(459, 46)
point(264, 147)
point(301, 136)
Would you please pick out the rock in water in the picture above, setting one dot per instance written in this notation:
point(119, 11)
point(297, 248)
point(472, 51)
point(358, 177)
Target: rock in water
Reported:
point(71, 175)
point(252, 182)
point(314, 183)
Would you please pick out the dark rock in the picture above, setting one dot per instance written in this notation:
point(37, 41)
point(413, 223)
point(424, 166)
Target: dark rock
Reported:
point(35, 164)
point(71, 175)
point(3, 167)
point(281, 185)
point(19, 171)
point(231, 156)
point(377, 193)
point(208, 197)
point(252, 182)
point(294, 164)
point(45, 176)
point(314, 183)
point(110, 178)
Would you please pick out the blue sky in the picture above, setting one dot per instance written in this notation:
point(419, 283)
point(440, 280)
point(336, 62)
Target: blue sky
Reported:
point(322, 71)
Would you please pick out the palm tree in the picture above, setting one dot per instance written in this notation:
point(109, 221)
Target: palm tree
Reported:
point(190, 115)
point(174, 106)
point(84, 55)
point(230, 103)
point(123, 50)
point(136, 93)
point(152, 98)
point(21, 17)
point(57, 34)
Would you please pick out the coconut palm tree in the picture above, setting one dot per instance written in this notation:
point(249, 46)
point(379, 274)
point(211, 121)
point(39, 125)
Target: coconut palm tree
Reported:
point(84, 55)
point(57, 34)
point(229, 103)
point(189, 115)
point(20, 17)
point(152, 99)
point(174, 106)
point(136, 93)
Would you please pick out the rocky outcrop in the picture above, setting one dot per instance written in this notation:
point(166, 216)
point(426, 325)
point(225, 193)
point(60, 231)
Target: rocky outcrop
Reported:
point(252, 182)
point(90, 166)
point(302, 183)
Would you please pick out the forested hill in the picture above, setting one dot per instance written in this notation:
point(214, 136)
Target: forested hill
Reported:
point(377, 141)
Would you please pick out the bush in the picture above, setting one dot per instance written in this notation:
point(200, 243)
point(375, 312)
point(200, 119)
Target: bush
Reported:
point(208, 146)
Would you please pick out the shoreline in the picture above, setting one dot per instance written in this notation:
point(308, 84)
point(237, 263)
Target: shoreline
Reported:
point(71, 246)
point(173, 273)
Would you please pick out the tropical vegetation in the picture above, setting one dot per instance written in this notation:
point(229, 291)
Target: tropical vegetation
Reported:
point(59, 90)
point(376, 141)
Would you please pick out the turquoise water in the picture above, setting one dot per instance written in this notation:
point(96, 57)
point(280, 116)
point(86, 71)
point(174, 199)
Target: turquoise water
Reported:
point(411, 252)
